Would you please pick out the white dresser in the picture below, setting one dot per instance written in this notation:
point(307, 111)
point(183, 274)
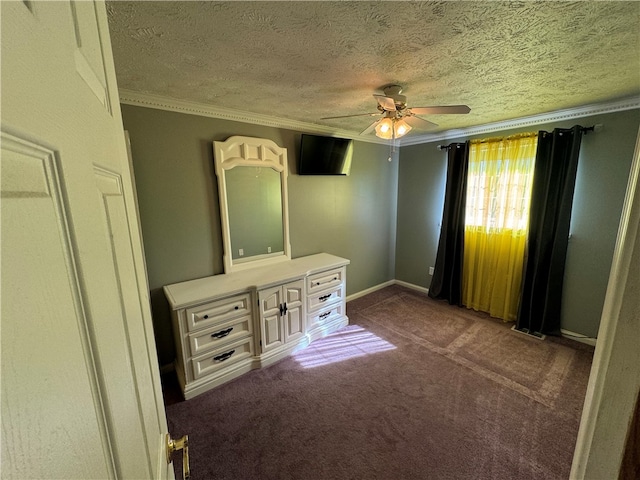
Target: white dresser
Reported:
point(229, 324)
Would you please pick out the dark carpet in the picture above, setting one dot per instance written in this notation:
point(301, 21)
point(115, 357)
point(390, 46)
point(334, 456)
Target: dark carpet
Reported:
point(411, 389)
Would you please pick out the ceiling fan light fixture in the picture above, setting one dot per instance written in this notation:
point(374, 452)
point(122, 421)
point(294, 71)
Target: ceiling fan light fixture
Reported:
point(389, 128)
point(402, 128)
point(384, 128)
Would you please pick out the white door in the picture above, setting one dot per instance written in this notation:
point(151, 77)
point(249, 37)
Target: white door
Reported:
point(271, 331)
point(81, 395)
point(294, 312)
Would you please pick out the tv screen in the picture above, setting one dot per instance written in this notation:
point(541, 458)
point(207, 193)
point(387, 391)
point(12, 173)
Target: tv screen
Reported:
point(324, 155)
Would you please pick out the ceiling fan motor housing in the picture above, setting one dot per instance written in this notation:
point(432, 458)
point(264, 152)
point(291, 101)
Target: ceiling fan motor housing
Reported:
point(394, 91)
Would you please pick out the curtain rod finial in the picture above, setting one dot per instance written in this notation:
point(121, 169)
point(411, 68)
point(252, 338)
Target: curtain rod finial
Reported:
point(593, 128)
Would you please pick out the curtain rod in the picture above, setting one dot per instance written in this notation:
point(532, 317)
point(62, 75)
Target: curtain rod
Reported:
point(447, 147)
point(593, 128)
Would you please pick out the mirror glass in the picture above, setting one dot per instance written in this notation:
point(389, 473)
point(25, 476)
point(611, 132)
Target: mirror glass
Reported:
point(254, 201)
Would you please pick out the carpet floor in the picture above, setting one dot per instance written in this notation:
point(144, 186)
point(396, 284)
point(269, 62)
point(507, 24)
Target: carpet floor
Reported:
point(410, 389)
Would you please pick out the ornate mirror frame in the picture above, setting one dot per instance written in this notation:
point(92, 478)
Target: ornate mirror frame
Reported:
point(237, 152)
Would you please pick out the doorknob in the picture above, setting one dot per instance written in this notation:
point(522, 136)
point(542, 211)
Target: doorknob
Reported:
point(180, 444)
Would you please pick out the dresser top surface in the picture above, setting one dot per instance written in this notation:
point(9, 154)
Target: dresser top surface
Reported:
point(201, 290)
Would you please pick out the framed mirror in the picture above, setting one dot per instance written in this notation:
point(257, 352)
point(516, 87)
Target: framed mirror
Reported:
point(252, 183)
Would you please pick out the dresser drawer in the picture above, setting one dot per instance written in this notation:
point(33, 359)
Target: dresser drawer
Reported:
point(219, 311)
point(220, 333)
point(321, 317)
point(325, 280)
point(324, 298)
point(222, 357)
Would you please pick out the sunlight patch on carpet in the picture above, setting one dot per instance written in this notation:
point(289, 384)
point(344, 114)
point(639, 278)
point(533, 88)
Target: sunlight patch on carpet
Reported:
point(350, 342)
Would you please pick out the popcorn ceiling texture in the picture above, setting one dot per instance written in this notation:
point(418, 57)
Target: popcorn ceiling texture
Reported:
point(307, 60)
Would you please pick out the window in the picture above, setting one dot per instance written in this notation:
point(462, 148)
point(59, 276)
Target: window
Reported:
point(499, 183)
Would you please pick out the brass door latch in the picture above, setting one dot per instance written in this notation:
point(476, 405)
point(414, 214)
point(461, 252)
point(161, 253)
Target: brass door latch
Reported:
point(180, 444)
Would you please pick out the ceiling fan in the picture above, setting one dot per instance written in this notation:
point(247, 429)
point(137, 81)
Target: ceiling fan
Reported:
point(397, 118)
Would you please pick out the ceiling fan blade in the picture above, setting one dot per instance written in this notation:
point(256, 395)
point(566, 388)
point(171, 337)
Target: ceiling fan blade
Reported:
point(442, 109)
point(355, 115)
point(422, 124)
point(370, 128)
point(386, 102)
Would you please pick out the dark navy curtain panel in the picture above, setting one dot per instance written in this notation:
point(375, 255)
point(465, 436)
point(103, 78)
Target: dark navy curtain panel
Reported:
point(446, 283)
point(548, 237)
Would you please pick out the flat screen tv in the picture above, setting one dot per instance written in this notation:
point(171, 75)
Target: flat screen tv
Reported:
point(324, 155)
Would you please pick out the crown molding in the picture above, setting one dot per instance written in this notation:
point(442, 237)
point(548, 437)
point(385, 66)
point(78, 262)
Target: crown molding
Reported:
point(628, 103)
point(130, 97)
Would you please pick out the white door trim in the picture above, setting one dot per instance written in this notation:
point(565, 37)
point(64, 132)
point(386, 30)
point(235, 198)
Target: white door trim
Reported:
point(615, 373)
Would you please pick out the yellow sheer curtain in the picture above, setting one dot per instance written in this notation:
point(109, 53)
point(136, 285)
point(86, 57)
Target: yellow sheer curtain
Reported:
point(499, 184)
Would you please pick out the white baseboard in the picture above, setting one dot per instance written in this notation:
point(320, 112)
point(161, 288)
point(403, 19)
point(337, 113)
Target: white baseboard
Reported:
point(412, 286)
point(578, 337)
point(367, 291)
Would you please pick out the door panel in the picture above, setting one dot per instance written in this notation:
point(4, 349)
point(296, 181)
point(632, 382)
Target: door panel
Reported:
point(116, 230)
point(45, 347)
point(270, 320)
point(294, 326)
point(91, 382)
point(294, 318)
point(89, 56)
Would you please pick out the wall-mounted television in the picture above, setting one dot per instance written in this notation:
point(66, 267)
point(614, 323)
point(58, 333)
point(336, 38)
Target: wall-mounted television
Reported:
point(321, 155)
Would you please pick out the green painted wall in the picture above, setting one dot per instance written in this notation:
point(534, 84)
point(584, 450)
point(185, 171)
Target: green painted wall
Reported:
point(421, 182)
point(352, 217)
point(385, 217)
point(601, 183)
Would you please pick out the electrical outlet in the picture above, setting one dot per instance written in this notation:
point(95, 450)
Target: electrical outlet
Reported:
point(268, 249)
point(430, 270)
point(241, 252)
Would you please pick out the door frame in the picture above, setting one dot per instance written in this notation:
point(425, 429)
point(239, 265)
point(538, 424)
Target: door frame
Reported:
point(614, 382)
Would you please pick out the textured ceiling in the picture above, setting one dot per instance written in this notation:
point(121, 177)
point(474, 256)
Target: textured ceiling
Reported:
point(302, 61)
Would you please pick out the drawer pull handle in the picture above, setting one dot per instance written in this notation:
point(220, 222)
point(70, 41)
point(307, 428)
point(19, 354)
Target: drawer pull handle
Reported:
point(324, 315)
point(222, 333)
point(236, 307)
point(206, 316)
point(324, 298)
point(224, 356)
